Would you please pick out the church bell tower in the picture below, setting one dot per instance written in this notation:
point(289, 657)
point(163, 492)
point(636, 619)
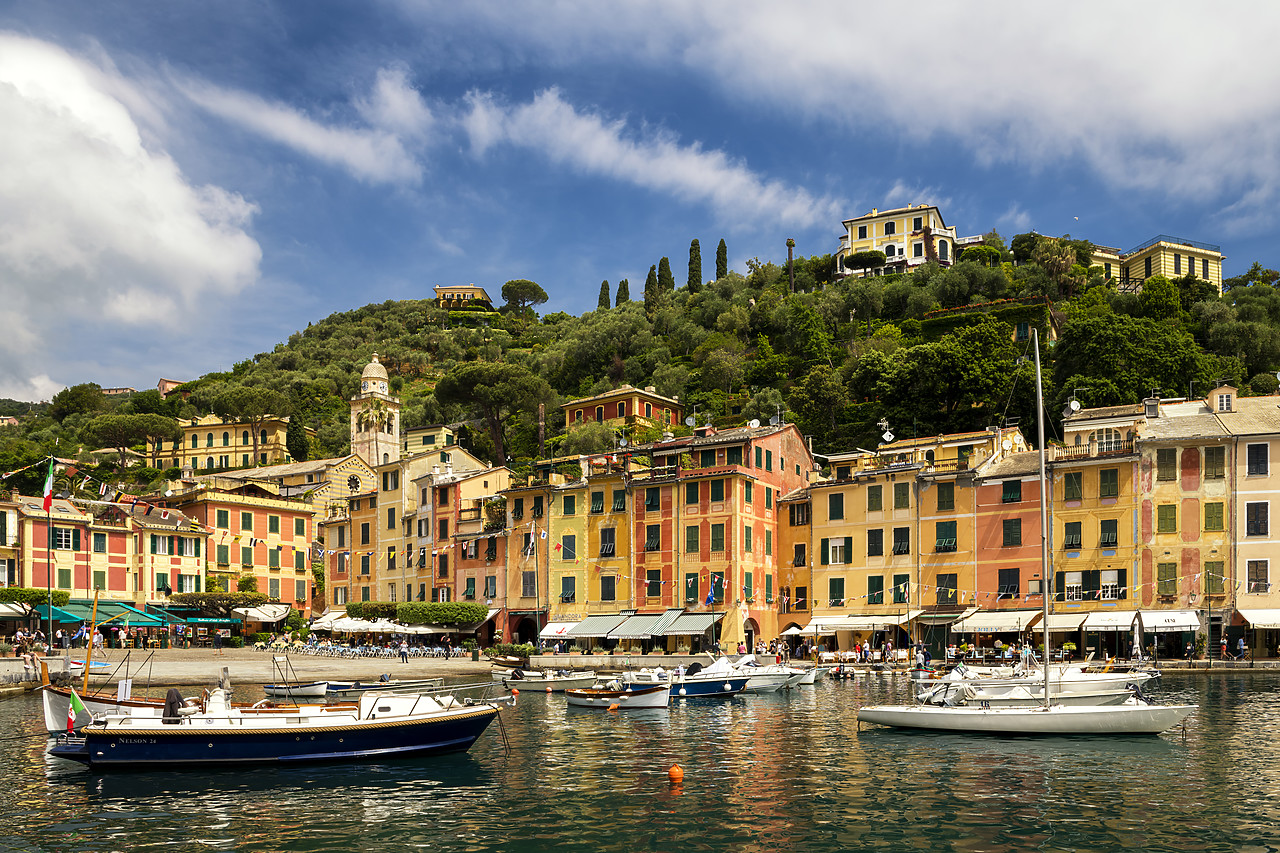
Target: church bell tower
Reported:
point(375, 418)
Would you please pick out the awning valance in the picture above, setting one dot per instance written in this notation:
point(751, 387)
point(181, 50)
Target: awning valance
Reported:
point(14, 610)
point(556, 630)
point(597, 626)
point(692, 624)
point(1167, 621)
point(635, 627)
point(997, 621)
point(264, 612)
point(1261, 619)
point(1110, 620)
point(944, 617)
point(1063, 622)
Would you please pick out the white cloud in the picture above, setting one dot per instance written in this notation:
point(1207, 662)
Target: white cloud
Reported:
point(589, 144)
point(900, 194)
point(1015, 218)
point(373, 154)
point(396, 106)
point(101, 236)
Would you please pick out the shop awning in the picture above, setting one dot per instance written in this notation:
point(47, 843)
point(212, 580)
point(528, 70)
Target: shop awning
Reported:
point(997, 621)
point(13, 610)
point(115, 613)
point(325, 622)
point(1262, 619)
point(636, 627)
point(944, 617)
point(1063, 622)
point(264, 613)
point(59, 615)
point(556, 630)
point(1110, 620)
point(597, 626)
point(1167, 621)
point(471, 627)
point(691, 624)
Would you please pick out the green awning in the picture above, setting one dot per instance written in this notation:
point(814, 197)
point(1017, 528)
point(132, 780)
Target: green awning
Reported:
point(210, 620)
point(59, 615)
point(114, 612)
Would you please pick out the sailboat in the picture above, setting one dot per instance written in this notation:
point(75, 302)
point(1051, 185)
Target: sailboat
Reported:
point(1134, 716)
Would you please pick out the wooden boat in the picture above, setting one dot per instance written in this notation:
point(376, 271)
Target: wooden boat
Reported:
point(356, 689)
point(557, 681)
point(621, 696)
point(1134, 716)
point(216, 734)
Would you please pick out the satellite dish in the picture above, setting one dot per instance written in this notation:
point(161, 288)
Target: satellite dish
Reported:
point(773, 421)
point(888, 437)
point(1075, 405)
point(753, 423)
point(622, 442)
point(688, 421)
point(1007, 444)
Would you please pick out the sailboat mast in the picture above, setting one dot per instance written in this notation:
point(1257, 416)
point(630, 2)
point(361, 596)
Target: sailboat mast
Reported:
point(1044, 518)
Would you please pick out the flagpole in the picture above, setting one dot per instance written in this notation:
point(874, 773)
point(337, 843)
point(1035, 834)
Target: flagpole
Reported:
point(48, 551)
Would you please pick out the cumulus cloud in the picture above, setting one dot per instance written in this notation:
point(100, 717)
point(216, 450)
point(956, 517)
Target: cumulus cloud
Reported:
point(1015, 218)
point(590, 144)
point(101, 235)
point(396, 106)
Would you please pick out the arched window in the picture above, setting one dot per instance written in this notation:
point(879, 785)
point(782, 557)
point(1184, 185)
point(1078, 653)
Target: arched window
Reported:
point(226, 439)
point(648, 410)
point(599, 414)
point(889, 251)
point(208, 442)
point(1107, 439)
point(942, 250)
point(622, 410)
point(209, 464)
point(195, 440)
point(386, 457)
point(244, 437)
point(263, 437)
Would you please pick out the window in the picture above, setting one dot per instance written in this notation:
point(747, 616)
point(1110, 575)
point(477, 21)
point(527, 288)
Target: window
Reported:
point(707, 459)
point(273, 558)
point(1008, 584)
point(159, 544)
point(246, 556)
point(223, 519)
point(875, 543)
point(768, 542)
point(1109, 533)
point(599, 414)
point(802, 596)
point(1071, 535)
point(517, 508)
point(608, 588)
point(246, 521)
point(837, 552)
point(798, 557)
point(799, 514)
point(690, 493)
point(469, 591)
point(1012, 532)
point(901, 495)
point(768, 460)
point(162, 580)
point(597, 502)
point(568, 591)
point(528, 584)
point(875, 498)
point(1255, 519)
point(1166, 578)
point(299, 527)
point(890, 228)
point(1011, 493)
point(391, 518)
point(717, 537)
point(875, 589)
point(943, 251)
point(619, 500)
point(862, 232)
point(652, 500)
point(568, 546)
point(1073, 486)
point(208, 442)
point(749, 586)
point(946, 537)
point(99, 543)
point(652, 537)
point(569, 505)
point(768, 497)
point(1256, 459)
point(733, 456)
point(653, 583)
point(946, 496)
point(224, 555)
point(901, 589)
point(1215, 463)
point(947, 588)
point(1167, 518)
point(1257, 576)
point(1214, 577)
point(1109, 483)
point(1147, 267)
point(691, 588)
point(342, 537)
point(364, 532)
point(759, 457)
point(1166, 463)
point(537, 506)
point(901, 540)
point(746, 538)
point(1214, 517)
point(748, 492)
point(1073, 583)
point(608, 541)
point(835, 592)
point(835, 507)
point(717, 491)
point(691, 539)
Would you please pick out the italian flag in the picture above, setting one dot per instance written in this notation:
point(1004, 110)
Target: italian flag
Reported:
point(74, 709)
point(48, 488)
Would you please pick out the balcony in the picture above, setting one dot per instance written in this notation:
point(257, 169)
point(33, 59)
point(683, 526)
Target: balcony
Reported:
point(1092, 450)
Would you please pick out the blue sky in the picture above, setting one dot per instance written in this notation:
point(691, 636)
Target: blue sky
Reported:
point(183, 185)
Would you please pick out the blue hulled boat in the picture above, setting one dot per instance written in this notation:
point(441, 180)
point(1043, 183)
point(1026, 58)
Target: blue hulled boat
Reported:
point(716, 680)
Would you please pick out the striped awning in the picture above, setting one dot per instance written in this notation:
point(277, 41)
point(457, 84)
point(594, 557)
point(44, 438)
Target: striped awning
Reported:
point(691, 624)
point(597, 626)
point(997, 621)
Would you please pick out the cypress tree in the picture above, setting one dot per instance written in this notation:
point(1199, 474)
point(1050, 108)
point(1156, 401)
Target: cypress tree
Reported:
point(666, 281)
point(602, 304)
point(624, 293)
point(695, 266)
point(722, 260)
point(651, 292)
point(295, 440)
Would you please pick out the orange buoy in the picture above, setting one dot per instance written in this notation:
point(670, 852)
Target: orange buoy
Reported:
point(515, 692)
point(548, 688)
point(675, 775)
point(613, 707)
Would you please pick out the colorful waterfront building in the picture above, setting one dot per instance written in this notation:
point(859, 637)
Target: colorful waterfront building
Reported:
point(795, 559)
point(625, 408)
point(528, 552)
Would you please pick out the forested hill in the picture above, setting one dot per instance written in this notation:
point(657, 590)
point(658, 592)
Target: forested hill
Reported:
point(933, 351)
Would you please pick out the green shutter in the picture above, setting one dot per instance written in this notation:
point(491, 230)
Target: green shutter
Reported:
point(1123, 581)
point(826, 552)
point(172, 550)
point(197, 541)
point(848, 549)
point(1059, 586)
point(154, 539)
point(75, 539)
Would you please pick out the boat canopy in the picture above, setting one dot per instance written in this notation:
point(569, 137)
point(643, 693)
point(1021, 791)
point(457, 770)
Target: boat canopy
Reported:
point(997, 621)
point(597, 626)
point(1167, 621)
point(1261, 619)
point(555, 630)
point(1110, 620)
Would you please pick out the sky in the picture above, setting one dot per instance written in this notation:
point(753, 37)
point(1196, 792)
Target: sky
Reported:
point(184, 185)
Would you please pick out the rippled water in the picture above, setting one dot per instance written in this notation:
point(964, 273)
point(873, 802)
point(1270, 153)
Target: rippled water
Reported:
point(779, 772)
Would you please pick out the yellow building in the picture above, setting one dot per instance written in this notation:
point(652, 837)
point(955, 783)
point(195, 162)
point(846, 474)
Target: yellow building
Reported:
point(211, 443)
point(529, 553)
point(462, 295)
point(795, 559)
point(1171, 257)
point(908, 236)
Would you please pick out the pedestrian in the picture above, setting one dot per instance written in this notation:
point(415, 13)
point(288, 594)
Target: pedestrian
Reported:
point(217, 641)
point(1222, 652)
point(404, 651)
point(1190, 650)
point(1240, 648)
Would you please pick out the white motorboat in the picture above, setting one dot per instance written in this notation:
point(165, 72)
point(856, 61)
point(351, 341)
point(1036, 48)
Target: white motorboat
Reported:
point(557, 681)
point(356, 689)
point(619, 696)
point(717, 679)
point(298, 690)
point(1002, 695)
point(1135, 715)
point(766, 678)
